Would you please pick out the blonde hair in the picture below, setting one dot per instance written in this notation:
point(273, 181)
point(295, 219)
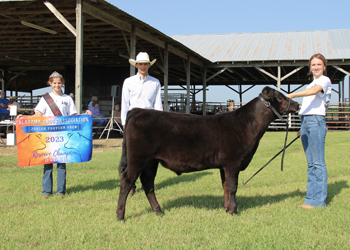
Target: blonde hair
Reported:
point(322, 58)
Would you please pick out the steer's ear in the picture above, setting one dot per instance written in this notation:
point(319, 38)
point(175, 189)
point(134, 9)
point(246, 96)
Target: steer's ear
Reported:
point(267, 93)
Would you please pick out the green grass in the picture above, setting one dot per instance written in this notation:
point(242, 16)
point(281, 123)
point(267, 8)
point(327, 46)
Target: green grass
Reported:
point(194, 217)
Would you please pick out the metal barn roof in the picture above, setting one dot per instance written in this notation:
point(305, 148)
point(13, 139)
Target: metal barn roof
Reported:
point(28, 55)
point(270, 46)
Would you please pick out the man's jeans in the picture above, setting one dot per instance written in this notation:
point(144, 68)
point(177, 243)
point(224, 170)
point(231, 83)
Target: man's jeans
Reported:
point(313, 134)
point(101, 122)
point(61, 178)
point(3, 129)
point(4, 116)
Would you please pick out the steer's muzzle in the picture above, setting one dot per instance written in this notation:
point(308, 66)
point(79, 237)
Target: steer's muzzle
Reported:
point(293, 107)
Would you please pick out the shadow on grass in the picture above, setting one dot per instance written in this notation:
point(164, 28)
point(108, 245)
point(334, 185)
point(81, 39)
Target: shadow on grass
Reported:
point(334, 189)
point(106, 185)
point(114, 183)
point(181, 179)
point(244, 202)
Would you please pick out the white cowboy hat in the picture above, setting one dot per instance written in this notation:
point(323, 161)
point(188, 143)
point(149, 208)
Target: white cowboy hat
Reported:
point(142, 57)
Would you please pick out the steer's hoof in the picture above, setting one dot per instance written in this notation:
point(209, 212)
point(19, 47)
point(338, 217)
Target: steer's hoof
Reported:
point(159, 214)
point(232, 213)
point(120, 219)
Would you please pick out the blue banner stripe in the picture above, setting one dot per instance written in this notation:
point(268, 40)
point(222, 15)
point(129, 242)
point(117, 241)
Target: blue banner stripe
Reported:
point(55, 128)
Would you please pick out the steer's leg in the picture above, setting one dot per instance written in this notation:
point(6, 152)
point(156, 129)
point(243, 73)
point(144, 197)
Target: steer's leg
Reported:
point(128, 177)
point(232, 184)
point(224, 186)
point(147, 179)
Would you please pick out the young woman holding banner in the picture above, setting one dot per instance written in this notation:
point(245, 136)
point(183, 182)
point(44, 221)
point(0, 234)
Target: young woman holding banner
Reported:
point(65, 105)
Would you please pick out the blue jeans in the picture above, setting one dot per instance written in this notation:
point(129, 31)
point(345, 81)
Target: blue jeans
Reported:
point(101, 122)
point(313, 134)
point(61, 178)
point(4, 116)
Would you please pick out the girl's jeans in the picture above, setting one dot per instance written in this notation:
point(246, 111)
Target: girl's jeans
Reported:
point(313, 134)
point(61, 178)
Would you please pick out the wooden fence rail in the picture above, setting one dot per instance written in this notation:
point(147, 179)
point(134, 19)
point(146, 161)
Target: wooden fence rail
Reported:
point(337, 118)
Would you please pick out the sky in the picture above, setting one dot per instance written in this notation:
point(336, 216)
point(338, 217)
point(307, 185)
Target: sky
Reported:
point(182, 17)
point(230, 16)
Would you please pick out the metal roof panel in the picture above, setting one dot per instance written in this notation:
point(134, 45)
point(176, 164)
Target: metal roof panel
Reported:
point(269, 46)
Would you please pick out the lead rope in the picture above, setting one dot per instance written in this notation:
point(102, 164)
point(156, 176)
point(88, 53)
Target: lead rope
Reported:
point(285, 140)
point(284, 147)
point(268, 105)
point(270, 160)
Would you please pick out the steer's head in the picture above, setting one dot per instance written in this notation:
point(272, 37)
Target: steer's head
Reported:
point(282, 104)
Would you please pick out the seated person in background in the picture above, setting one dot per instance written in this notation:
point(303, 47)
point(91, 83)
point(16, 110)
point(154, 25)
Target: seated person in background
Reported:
point(230, 107)
point(13, 103)
point(93, 99)
point(96, 115)
point(219, 111)
point(117, 115)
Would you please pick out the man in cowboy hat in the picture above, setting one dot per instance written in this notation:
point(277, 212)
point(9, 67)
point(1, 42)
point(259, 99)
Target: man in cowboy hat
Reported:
point(13, 102)
point(140, 90)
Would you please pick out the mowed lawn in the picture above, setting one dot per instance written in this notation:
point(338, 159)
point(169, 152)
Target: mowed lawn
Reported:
point(194, 217)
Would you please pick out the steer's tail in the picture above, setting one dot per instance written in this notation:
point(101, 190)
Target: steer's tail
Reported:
point(123, 160)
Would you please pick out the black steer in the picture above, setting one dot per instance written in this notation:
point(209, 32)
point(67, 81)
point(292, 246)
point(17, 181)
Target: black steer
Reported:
point(186, 143)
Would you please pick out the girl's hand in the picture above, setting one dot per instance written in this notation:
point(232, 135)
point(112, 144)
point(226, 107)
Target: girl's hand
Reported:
point(19, 116)
point(88, 112)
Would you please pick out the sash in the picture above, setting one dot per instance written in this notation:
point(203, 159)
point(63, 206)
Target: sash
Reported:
point(55, 110)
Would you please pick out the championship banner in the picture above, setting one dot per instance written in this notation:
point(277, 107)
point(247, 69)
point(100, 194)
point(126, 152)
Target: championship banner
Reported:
point(53, 139)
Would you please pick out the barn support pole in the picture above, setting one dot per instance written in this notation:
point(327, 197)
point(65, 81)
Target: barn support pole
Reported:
point(204, 109)
point(279, 78)
point(348, 88)
point(69, 26)
point(267, 73)
point(16, 89)
point(193, 92)
point(60, 17)
point(166, 77)
point(347, 73)
point(132, 49)
point(342, 91)
point(188, 81)
point(3, 80)
point(79, 56)
point(240, 96)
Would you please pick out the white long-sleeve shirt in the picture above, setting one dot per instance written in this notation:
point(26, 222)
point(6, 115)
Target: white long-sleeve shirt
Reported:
point(140, 93)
